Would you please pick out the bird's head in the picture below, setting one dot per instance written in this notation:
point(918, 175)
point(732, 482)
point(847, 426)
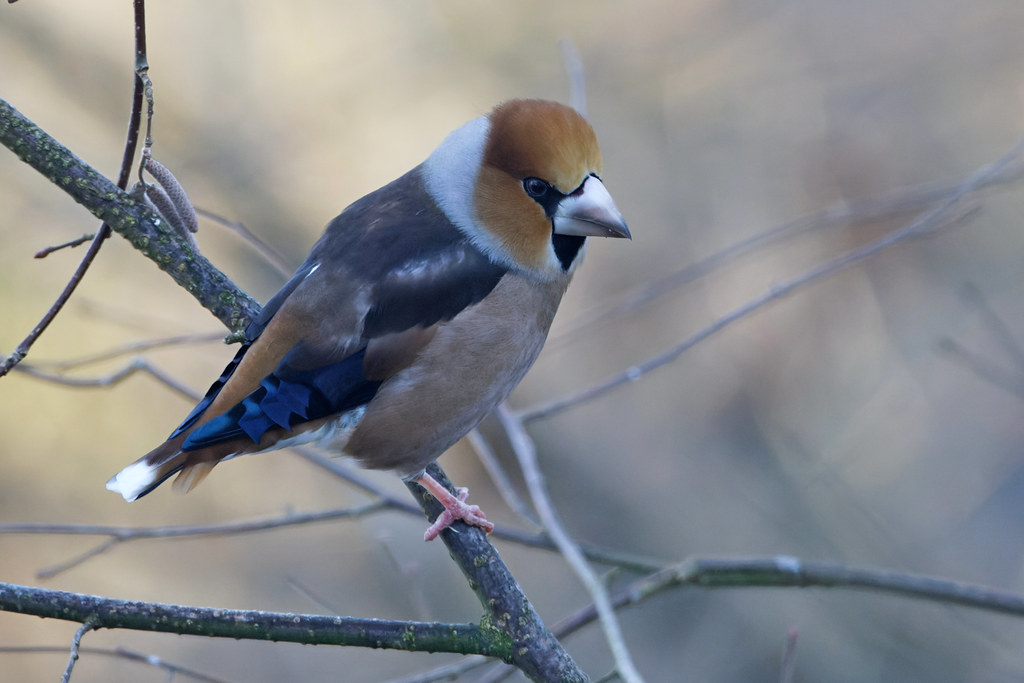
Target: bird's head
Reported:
point(530, 191)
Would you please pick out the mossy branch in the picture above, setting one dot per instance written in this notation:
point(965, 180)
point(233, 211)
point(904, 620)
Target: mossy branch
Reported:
point(133, 220)
point(536, 651)
point(310, 629)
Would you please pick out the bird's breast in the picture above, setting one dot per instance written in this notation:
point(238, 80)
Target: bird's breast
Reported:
point(470, 366)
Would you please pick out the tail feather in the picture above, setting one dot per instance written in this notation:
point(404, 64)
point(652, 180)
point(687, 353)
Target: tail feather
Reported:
point(149, 471)
point(191, 474)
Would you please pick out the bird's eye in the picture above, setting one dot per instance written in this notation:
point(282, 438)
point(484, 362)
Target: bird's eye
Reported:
point(535, 187)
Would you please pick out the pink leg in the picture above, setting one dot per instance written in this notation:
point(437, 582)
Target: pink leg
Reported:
point(454, 508)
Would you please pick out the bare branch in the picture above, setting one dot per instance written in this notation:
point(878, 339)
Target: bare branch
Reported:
point(788, 668)
point(310, 629)
point(46, 251)
point(527, 454)
point(574, 70)
point(888, 205)
point(384, 500)
point(118, 653)
point(535, 651)
point(119, 534)
point(272, 256)
point(141, 226)
point(541, 541)
point(11, 131)
point(22, 349)
point(61, 567)
point(937, 217)
point(134, 347)
point(75, 643)
point(784, 571)
point(995, 323)
point(502, 482)
point(983, 368)
point(448, 672)
point(137, 365)
point(790, 571)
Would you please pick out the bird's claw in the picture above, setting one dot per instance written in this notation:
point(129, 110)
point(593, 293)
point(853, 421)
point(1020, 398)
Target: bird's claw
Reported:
point(458, 509)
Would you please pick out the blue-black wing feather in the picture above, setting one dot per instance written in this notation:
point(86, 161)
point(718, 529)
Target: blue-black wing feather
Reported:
point(287, 398)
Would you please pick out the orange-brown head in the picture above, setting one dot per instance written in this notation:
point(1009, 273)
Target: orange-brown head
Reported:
point(536, 193)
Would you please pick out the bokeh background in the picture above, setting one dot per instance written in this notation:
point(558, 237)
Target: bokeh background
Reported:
point(830, 425)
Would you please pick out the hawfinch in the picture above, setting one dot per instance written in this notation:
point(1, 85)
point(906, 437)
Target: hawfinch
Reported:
point(416, 313)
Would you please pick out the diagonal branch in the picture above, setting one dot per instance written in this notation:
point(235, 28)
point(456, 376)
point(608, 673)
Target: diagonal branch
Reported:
point(526, 452)
point(535, 650)
point(133, 220)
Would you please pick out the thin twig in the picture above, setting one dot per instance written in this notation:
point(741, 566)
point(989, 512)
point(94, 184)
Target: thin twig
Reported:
point(1008, 379)
point(502, 482)
point(845, 213)
point(787, 670)
point(574, 70)
point(525, 450)
point(995, 324)
point(140, 225)
point(983, 368)
point(23, 348)
point(76, 642)
point(118, 534)
point(117, 653)
point(929, 220)
point(274, 258)
point(411, 577)
point(384, 499)
point(305, 592)
point(134, 347)
point(137, 365)
point(46, 251)
point(54, 569)
point(542, 541)
point(448, 672)
point(131, 142)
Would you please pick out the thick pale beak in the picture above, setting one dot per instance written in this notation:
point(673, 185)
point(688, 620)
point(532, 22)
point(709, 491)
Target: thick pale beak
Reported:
point(590, 212)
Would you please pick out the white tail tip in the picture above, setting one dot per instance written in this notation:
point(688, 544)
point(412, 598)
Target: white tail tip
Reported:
point(134, 480)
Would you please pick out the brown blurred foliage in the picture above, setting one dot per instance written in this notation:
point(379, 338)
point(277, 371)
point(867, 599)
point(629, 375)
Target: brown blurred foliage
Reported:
point(829, 425)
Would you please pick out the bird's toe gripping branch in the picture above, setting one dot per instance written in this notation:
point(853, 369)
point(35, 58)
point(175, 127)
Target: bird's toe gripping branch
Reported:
point(455, 508)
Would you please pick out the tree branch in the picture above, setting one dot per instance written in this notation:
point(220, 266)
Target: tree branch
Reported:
point(310, 629)
point(133, 220)
point(526, 453)
point(535, 650)
point(786, 571)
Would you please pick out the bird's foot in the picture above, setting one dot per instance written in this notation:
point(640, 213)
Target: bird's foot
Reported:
point(455, 508)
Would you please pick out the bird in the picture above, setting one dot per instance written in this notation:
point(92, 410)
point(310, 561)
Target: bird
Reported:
point(416, 313)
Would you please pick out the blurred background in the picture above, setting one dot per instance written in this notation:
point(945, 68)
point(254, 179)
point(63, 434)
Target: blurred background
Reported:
point(841, 423)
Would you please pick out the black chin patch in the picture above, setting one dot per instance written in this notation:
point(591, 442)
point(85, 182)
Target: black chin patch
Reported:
point(566, 248)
